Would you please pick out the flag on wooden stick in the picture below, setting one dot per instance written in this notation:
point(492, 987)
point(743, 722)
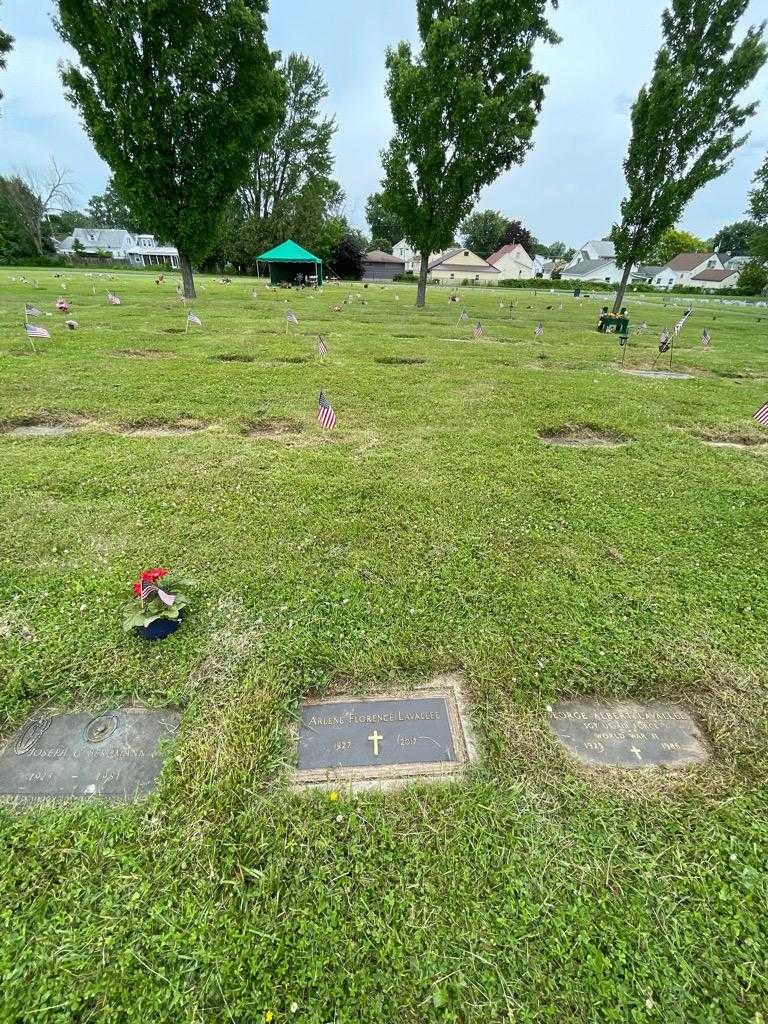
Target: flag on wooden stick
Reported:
point(112, 299)
point(291, 317)
point(706, 337)
point(664, 341)
point(322, 348)
point(192, 319)
point(32, 310)
point(326, 417)
point(762, 415)
point(477, 330)
point(539, 329)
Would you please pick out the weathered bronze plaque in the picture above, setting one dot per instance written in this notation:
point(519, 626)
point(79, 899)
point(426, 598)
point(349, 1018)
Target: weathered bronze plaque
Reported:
point(389, 736)
point(114, 755)
point(628, 734)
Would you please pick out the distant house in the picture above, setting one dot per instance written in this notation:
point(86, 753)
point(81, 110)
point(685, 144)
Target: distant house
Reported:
point(411, 258)
point(458, 265)
point(685, 266)
point(604, 270)
point(137, 250)
point(513, 263)
point(539, 260)
point(715, 279)
point(381, 266)
point(646, 273)
point(736, 262)
point(594, 261)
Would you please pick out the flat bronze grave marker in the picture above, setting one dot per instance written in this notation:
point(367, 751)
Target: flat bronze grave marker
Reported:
point(385, 738)
point(113, 755)
point(628, 734)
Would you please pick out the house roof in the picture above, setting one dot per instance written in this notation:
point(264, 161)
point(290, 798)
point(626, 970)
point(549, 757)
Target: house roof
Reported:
point(379, 256)
point(714, 275)
point(468, 268)
point(495, 257)
point(586, 267)
point(648, 270)
point(288, 252)
point(605, 250)
point(450, 253)
point(687, 261)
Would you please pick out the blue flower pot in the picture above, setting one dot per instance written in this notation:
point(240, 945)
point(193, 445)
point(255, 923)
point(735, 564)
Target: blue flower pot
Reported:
point(160, 628)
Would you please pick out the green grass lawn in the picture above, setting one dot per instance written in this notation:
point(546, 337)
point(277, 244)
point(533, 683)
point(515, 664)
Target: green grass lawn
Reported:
point(432, 531)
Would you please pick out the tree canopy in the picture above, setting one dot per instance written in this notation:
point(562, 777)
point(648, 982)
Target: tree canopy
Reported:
point(384, 224)
point(734, 238)
point(109, 210)
point(177, 96)
point(686, 122)
point(758, 206)
point(481, 232)
point(6, 45)
point(674, 241)
point(464, 110)
point(289, 191)
point(516, 234)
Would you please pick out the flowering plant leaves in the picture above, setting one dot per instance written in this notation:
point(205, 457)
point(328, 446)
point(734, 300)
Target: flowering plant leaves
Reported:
point(153, 602)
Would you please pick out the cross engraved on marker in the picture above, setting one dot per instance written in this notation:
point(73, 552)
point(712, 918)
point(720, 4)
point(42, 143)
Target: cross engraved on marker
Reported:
point(374, 738)
point(637, 753)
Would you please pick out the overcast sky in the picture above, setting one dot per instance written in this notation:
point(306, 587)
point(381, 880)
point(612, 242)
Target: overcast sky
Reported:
point(571, 183)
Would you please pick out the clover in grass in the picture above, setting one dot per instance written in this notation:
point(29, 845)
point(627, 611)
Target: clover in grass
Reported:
point(153, 601)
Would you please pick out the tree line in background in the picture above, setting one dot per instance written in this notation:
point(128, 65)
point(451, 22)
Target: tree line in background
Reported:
point(220, 147)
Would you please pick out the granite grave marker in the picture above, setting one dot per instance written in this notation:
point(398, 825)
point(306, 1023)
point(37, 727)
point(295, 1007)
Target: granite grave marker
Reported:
point(628, 734)
point(114, 755)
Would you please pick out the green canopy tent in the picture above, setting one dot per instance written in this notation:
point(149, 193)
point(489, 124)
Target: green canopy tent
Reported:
point(287, 261)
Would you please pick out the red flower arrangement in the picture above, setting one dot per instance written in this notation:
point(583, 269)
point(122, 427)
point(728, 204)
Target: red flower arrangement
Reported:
point(164, 602)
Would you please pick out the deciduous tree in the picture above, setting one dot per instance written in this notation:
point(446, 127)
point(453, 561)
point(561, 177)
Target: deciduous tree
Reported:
point(464, 110)
point(734, 238)
point(672, 243)
point(384, 224)
point(686, 122)
point(753, 278)
point(516, 234)
point(178, 96)
point(33, 195)
point(482, 231)
point(758, 207)
point(108, 209)
point(6, 45)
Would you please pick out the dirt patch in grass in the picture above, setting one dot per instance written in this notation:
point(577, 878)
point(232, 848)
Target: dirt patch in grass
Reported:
point(400, 361)
point(145, 353)
point(723, 438)
point(236, 357)
point(573, 436)
point(163, 428)
point(292, 359)
point(43, 424)
point(272, 426)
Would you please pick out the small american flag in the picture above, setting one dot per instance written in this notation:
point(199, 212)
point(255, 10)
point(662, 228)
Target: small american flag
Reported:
point(291, 317)
point(326, 417)
point(34, 331)
point(539, 329)
point(762, 415)
point(32, 310)
point(477, 330)
point(112, 299)
point(664, 341)
point(681, 322)
point(194, 319)
point(322, 348)
point(464, 315)
point(706, 337)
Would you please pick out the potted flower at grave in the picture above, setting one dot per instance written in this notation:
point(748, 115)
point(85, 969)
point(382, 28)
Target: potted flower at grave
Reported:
point(157, 610)
point(62, 305)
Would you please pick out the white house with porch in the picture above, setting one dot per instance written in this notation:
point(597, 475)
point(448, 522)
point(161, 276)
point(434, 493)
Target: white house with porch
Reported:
point(137, 250)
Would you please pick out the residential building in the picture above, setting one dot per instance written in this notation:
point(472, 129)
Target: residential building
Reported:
point(381, 266)
point(736, 262)
point(513, 263)
point(137, 250)
point(680, 270)
point(646, 274)
point(411, 258)
point(594, 250)
point(715, 279)
point(604, 270)
point(458, 265)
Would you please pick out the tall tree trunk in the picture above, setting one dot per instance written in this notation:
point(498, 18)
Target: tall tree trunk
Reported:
point(421, 291)
point(186, 276)
point(622, 287)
